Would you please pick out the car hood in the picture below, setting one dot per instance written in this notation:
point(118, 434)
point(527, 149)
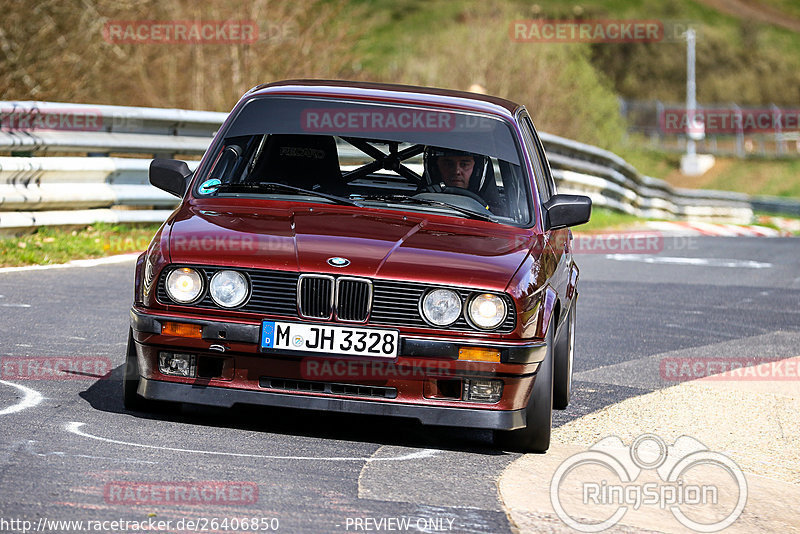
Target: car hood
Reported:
point(377, 243)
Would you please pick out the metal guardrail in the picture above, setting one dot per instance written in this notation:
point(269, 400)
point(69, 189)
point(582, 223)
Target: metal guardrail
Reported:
point(776, 205)
point(51, 190)
point(612, 182)
point(105, 129)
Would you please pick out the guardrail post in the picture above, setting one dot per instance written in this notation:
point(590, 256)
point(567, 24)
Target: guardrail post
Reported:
point(658, 133)
point(776, 118)
point(739, 131)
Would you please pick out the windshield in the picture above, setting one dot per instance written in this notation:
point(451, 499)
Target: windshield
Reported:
point(375, 155)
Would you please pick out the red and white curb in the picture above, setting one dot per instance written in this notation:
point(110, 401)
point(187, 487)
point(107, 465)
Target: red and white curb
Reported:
point(713, 229)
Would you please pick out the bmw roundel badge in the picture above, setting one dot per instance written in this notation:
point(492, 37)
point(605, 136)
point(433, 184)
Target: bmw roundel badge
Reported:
point(338, 262)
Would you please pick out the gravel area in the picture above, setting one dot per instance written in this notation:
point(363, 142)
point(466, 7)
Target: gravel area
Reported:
point(753, 422)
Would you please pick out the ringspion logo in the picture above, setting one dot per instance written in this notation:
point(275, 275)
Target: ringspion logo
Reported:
point(702, 490)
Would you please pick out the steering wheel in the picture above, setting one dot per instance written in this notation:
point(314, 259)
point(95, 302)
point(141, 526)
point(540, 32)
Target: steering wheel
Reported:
point(452, 190)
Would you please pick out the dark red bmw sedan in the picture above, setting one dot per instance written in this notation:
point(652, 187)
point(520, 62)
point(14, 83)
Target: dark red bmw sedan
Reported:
point(365, 248)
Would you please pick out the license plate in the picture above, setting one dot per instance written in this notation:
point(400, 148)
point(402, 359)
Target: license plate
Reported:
point(329, 339)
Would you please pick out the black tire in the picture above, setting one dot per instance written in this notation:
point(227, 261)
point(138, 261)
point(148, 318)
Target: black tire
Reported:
point(563, 356)
point(535, 437)
point(130, 382)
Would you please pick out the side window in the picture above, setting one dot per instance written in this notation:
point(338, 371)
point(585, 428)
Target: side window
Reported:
point(548, 175)
point(541, 175)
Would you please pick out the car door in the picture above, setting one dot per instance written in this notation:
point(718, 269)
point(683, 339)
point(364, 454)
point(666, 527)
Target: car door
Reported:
point(556, 246)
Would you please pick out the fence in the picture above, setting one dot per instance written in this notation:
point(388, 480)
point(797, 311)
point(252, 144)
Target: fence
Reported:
point(730, 129)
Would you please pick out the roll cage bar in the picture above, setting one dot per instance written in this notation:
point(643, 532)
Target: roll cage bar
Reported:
point(383, 161)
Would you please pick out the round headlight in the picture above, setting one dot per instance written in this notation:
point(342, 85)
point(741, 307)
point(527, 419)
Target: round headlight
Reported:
point(184, 285)
point(228, 288)
point(441, 307)
point(487, 311)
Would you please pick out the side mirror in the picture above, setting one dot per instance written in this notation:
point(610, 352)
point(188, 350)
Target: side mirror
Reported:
point(170, 175)
point(562, 211)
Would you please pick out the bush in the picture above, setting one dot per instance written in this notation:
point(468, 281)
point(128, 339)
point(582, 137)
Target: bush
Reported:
point(557, 83)
point(55, 50)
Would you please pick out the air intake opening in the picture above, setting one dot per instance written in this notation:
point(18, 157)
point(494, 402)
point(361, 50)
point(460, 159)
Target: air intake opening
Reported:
point(437, 388)
point(353, 299)
point(210, 367)
point(315, 296)
point(331, 388)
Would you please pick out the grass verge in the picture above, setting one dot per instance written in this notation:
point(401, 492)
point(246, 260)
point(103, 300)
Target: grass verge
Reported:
point(753, 176)
point(47, 245)
point(606, 219)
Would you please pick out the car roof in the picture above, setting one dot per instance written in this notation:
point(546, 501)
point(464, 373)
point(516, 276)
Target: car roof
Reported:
point(395, 92)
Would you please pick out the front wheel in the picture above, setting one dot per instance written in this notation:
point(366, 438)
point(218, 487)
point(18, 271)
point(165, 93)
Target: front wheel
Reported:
point(130, 382)
point(563, 355)
point(535, 436)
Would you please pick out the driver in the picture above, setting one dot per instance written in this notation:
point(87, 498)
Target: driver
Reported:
point(467, 170)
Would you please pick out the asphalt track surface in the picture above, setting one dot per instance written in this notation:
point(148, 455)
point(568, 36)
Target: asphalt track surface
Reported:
point(65, 442)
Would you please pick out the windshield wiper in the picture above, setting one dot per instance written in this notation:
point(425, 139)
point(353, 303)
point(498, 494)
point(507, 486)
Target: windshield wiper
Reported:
point(271, 186)
point(411, 200)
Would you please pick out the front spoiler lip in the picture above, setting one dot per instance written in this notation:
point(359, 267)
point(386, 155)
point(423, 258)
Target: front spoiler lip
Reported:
point(427, 415)
point(423, 347)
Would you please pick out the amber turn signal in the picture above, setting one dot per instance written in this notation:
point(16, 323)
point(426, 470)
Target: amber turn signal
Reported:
point(478, 354)
point(182, 330)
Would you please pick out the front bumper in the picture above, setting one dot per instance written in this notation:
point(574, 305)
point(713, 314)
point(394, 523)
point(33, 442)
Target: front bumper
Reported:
point(427, 415)
point(249, 376)
point(215, 331)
